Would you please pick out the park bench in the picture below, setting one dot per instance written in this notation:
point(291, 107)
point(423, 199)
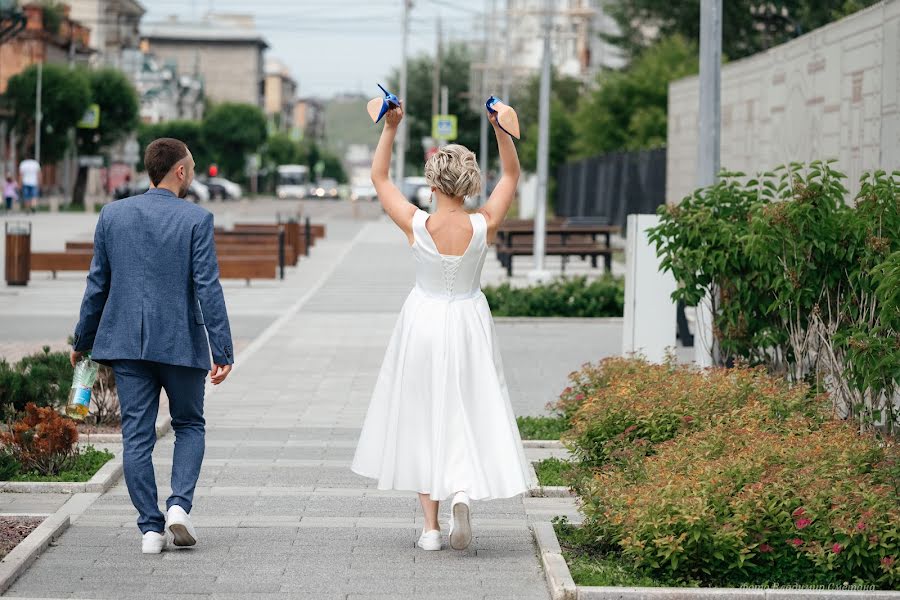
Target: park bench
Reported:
point(252, 239)
point(565, 238)
point(70, 260)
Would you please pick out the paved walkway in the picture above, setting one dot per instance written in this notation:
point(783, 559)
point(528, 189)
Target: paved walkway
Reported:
point(280, 513)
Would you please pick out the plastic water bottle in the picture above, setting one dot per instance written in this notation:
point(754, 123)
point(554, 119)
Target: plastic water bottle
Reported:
point(82, 382)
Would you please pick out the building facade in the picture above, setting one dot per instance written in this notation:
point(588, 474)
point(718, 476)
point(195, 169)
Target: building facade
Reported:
point(165, 94)
point(280, 95)
point(833, 93)
point(224, 51)
point(309, 119)
point(115, 27)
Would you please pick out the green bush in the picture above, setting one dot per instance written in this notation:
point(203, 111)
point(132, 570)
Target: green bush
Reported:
point(9, 465)
point(576, 297)
point(42, 378)
point(726, 477)
point(554, 472)
point(793, 272)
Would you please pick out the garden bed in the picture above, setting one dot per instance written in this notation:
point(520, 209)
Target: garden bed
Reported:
point(83, 466)
point(575, 297)
point(15, 529)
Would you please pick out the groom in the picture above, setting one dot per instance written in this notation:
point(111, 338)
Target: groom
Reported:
point(152, 298)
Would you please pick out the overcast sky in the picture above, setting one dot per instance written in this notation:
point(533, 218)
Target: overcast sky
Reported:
point(334, 46)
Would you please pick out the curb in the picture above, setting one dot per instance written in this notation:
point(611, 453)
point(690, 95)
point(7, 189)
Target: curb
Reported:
point(559, 579)
point(26, 552)
point(163, 426)
point(563, 587)
point(548, 444)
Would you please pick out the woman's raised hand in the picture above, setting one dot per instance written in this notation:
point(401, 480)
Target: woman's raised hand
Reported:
point(394, 115)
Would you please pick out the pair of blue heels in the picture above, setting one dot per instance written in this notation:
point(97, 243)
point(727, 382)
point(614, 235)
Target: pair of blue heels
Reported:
point(506, 115)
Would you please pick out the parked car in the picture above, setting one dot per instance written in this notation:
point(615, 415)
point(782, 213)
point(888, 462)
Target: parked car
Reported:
point(363, 192)
point(417, 190)
point(197, 192)
point(326, 188)
point(223, 189)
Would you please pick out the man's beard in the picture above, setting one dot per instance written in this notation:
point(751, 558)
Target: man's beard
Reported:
point(183, 190)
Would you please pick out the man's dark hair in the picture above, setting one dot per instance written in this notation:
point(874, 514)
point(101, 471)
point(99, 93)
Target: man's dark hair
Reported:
point(161, 155)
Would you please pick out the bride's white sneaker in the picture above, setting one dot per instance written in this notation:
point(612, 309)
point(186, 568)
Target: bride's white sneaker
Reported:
point(430, 540)
point(153, 542)
point(460, 525)
point(178, 523)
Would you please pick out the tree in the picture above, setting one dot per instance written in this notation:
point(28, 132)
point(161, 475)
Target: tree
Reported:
point(627, 111)
point(119, 116)
point(282, 150)
point(748, 26)
point(565, 95)
point(189, 132)
point(65, 95)
point(233, 131)
point(455, 68)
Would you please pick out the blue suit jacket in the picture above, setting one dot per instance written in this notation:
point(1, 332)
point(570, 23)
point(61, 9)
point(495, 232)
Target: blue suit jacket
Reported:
point(154, 285)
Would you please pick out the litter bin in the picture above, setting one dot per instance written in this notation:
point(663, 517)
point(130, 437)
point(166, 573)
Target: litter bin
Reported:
point(18, 252)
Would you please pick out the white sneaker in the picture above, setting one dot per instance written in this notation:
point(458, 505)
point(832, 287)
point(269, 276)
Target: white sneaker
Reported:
point(460, 526)
point(430, 540)
point(178, 523)
point(153, 542)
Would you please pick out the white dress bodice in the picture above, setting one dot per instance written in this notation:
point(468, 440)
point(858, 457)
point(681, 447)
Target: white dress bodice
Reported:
point(447, 276)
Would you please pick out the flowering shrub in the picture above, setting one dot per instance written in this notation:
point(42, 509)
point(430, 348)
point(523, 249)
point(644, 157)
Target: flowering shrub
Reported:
point(43, 441)
point(639, 405)
point(799, 502)
point(729, 477)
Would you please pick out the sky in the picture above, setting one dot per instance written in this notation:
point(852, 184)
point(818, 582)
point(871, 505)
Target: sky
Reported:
point(334, 46)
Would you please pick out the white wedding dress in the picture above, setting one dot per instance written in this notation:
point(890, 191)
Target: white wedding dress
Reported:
point(440, 420)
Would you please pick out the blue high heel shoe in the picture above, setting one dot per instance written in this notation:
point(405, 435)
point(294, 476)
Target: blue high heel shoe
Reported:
point(377, 107)
point(506, 115)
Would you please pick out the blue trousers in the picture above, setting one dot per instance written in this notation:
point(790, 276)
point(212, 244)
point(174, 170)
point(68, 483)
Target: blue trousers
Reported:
point(139, 383)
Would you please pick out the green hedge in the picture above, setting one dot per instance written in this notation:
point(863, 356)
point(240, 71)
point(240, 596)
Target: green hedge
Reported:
point(42, 378)
point(576, 297)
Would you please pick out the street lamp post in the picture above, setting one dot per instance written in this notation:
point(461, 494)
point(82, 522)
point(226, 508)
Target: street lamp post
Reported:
point(539, 273)
point(708, 146)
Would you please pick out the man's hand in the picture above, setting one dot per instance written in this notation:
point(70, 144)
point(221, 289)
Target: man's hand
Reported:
point(75, 357)
point(219, 373)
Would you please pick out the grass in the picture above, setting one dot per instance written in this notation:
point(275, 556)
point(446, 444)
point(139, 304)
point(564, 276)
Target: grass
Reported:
point(594, 568)
point(542, 428)
point(553, 471)
point(84, 465)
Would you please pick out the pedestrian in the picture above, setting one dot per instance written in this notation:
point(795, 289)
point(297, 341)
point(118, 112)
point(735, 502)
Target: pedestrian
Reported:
point(30, 175)
point(154, 279)
point(440, 421)
point(10, 193)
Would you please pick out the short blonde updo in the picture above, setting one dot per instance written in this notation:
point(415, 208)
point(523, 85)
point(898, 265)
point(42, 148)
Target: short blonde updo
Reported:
point(454, 171)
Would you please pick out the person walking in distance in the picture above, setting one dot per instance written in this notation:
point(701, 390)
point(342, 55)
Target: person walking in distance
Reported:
point(153, 310)
point(30, 176)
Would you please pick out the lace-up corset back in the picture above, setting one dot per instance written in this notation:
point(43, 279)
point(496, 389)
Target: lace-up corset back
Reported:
point(446, 275)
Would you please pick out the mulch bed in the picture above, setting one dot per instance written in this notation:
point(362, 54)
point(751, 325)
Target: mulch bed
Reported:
point(15, 529)
point(85, 429)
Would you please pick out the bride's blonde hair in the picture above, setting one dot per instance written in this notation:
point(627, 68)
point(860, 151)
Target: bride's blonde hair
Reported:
point(454, 171)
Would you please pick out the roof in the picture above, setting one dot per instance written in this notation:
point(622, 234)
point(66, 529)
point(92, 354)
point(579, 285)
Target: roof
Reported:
point(200, 31)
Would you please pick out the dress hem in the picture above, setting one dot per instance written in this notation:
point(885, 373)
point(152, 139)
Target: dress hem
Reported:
point(384, 488)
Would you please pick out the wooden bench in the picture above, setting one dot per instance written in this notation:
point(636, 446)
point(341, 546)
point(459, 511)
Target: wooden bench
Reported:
point(248, 267)
point(253, 238)
point(62, 261)
point(563, 239)
point(293, 236)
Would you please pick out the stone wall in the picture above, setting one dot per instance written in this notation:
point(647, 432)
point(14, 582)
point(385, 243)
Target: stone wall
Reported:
point(832, 93)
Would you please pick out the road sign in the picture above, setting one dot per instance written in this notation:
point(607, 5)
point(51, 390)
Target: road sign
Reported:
point(443, 127)
point(91, 118)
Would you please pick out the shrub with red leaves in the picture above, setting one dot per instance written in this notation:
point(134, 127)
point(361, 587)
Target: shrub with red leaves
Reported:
point(43, 441)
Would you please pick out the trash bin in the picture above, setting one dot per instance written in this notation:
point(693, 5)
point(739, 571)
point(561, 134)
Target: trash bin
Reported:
point(18, 252)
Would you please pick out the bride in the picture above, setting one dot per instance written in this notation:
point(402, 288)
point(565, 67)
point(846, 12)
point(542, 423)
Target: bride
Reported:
point(440, 422)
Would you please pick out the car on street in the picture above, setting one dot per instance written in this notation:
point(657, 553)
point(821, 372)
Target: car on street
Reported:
point(326, 188)
point(362, 191)
point(293, 181)
point(417, 190)
point(223, 189)
point(197, 192)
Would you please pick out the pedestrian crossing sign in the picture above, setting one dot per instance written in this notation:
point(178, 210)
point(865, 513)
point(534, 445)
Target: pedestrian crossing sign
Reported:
point(443, 127)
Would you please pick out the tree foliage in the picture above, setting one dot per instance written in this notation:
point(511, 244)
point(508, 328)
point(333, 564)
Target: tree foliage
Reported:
point(189, 132)
point(565, 94)
point(748, 26)
point(119, 110)
point(455, 69)
point(66, 94)
point(233, 131)
point(628, 109)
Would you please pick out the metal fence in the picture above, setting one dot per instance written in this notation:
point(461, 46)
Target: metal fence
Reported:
point(612, 186)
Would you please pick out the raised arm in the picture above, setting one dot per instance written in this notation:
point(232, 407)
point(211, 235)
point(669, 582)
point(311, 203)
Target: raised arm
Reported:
point(498, 204)
point(392, 200)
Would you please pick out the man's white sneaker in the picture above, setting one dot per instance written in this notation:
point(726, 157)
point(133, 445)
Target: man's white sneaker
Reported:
point(153, 542)
point(430, 540)
point(178, 523)
point(460, 525)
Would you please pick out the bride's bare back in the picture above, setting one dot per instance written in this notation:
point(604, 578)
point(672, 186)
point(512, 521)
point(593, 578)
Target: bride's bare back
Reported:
point(452, 232)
